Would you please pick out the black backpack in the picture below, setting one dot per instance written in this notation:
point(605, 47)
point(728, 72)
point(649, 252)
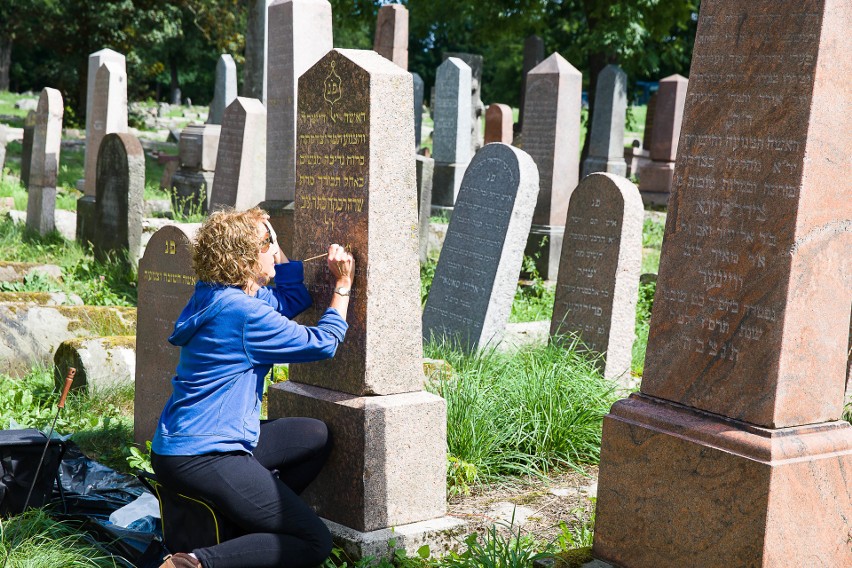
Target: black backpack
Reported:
point(20, 453)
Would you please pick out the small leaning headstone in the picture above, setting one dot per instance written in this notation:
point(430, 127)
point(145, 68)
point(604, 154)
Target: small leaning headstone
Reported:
point(44, 164)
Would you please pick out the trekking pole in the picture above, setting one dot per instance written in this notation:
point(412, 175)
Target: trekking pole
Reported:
point(69, 378)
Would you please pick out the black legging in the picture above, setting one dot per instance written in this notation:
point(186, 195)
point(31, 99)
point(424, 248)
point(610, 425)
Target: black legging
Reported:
point(282, 530)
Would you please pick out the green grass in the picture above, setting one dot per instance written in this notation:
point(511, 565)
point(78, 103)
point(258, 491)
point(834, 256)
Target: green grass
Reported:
point(8, 113)
point(652, 242)
point(523, 413)
point(643, 326)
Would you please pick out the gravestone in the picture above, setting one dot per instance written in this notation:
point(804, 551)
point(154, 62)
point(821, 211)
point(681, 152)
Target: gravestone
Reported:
point(109, 114)
point(191, 184)
point(391, 40)
point(606, 143)
point(119, 201)
point(301, 33)
point(471, 296)
point(419, 89)
point(27, 147)
point(225, 89)
point(257, 38)
point(552, 138)
point(388, 464)
point(477, 108)
point(44, 164)
point(451, 136)
point(240, 178)
point(425, 168)
point(166, 282)
point(533, 55)
point(649, 121)
point(655, 178)
point(733, 453)
point(598, 282)
point(498, 124)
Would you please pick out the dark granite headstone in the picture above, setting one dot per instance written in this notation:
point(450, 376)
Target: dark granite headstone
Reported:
point(733, 453)
point(166, 282)
point(419, 89)
point(533, 55)
point(451, 135)
point(598, 282)
point(477, 274)
point(44, 164)
point(27, 147)
point(119, 201)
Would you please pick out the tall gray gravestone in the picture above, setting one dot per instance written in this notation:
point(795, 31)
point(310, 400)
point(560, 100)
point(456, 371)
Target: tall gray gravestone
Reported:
point(166, 282)
point(598, 283)
point(120, 201)
point(419, 90)
point(225, 90)
point(300, 34)
point(425, 173)
point(734, 452)
point(27, 147)
point(240, 178)
point(387, 468)
point(451, 135)
point(108, 115)
point(552, 137)
point(191, 184)
point(533, 55)
point(655, 178)
point(471, 296)
point(257, 37)
point(606, 143)
point(44, 164)
point(391, 39)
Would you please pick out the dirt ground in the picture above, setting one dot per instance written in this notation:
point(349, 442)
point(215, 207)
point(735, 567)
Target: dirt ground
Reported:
point(538, 505)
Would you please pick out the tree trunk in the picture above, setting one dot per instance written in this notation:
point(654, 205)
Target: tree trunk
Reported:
point(5, 61)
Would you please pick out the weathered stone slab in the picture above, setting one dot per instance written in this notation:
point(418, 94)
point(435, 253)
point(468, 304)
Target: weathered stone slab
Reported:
point(300, 35)
point(166, 282)
point(101, 362)
point(552, 139)
point(425, 171)
point(31, 333)
point(119, 201)
point(533, 55)
point(18, 271)
point(475, 280)
point(225, 89)
point(199, 146)
point(499, 124)
point(95, 61)
point(27, 147)
point(606, 143)
point(44, 163)
point(419, 90)
point(736, 436)
point(451, 135)
point(598, 282)
point(240, 179)
point(354, 117)
point(391, 39)
point(385, 468)
point(109, 109)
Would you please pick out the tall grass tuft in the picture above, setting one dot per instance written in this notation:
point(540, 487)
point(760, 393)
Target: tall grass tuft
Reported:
point(522, 413)
point(34, 540)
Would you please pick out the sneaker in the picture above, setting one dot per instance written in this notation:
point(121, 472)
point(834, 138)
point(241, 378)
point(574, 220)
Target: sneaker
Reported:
point(180, 560)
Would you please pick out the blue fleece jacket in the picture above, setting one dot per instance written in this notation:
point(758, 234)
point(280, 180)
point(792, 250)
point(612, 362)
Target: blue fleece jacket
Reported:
point(229, 341)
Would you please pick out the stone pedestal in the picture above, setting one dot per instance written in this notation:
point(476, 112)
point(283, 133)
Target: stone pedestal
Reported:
point(546, 255)
point(655, 182)
point(446, 183)
point(755, 496)
point(388, 464)
point(281, 219)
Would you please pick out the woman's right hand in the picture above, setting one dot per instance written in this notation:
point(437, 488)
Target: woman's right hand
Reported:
point(341, 265)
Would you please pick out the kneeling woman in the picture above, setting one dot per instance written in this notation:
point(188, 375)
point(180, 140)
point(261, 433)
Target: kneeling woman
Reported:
point(210, 442)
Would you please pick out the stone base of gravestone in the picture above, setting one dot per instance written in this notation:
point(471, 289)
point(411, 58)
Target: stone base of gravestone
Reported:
point(446, 182)
point(656, 178)
point(281, 218)
point(388, 464)
point(441, 535)
point(190, 192)
point(86, 215)
point(615, 166)
point(757, 497)
point(41, 204)
point(101, 362)
point(545, 246)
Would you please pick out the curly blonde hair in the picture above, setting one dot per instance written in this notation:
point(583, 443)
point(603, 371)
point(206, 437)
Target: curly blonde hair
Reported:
point(225, 248)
